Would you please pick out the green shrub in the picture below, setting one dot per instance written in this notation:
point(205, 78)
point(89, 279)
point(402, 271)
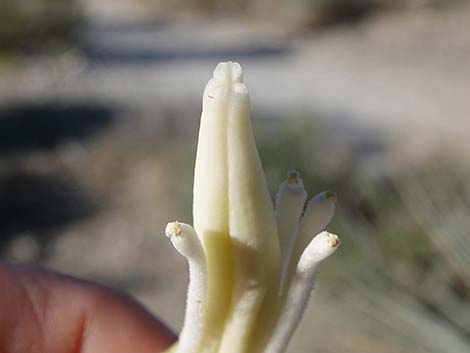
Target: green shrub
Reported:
point(38, 25)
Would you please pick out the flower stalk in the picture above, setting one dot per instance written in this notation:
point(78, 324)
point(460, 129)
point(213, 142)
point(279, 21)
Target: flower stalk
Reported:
point(251, 269)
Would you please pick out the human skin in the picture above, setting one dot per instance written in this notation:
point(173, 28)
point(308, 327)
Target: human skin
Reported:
point(45, 312)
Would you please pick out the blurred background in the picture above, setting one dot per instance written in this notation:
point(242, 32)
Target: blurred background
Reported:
point(100, 103)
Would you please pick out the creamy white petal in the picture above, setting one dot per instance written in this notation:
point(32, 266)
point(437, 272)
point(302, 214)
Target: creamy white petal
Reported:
point(210, 206)
point(251, 223)
point(299, 292)
point(210, 203)
point(185, 240)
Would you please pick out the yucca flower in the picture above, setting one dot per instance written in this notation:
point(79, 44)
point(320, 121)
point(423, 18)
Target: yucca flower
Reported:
point(251, 269)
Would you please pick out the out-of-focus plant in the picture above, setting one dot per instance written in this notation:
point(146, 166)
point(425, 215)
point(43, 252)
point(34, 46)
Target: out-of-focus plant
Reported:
point(301, 15)
point(401, 283)
point(38, 25)
point(404, 275)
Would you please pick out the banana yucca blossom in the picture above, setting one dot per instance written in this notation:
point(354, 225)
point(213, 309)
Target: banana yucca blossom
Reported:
point(251, 269)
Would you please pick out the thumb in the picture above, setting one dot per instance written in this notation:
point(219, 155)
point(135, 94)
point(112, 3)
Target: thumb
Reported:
point(46, 312)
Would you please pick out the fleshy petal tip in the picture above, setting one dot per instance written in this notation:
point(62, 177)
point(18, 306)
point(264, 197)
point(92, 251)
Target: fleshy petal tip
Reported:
point(331, 196)
point(293, 177)
point(333, 240)
point(173, 229)
point(229, 72)
point(294, 181)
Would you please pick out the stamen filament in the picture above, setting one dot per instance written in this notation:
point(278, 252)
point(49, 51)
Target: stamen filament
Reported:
point(186, 242)
point(290, 201)
point(315, 219)
point(298, 295)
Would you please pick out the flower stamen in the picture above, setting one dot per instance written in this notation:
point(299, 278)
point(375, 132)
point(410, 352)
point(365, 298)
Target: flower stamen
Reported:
point(186, 242)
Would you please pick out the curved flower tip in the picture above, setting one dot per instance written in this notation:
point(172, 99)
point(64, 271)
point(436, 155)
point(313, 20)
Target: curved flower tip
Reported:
point(184, 239)
point(333, 240)
point(228, 72)
point(237, 301)
point(173, 229)
point(294, 180)
point(321, 246)
point(331, 196)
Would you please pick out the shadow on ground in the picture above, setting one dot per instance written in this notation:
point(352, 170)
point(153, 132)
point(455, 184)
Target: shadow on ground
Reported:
point(26, 127)
point(38, 200)
point(39, 205)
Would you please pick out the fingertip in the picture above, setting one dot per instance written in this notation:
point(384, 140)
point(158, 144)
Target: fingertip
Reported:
point(61, 314)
